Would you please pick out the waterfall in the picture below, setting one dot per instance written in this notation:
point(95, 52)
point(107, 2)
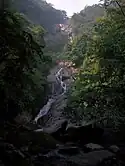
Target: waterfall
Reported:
point(46, 108)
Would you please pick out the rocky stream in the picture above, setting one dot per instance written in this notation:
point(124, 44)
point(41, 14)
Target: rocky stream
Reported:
point(52, 140)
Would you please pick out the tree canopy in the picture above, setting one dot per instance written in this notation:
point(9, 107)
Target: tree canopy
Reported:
point(99, 88)
point(23, 64)
point(41, 13)
point(84, 21)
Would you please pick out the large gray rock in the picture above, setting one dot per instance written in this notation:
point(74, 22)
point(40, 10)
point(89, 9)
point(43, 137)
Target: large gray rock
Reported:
point(69, 150)
point(91, 147)
point(92, 158)
point(55, 127)
point(114, 148)
point(11, 155)
point(80, 159)
point(58, 130)
point(83, 134)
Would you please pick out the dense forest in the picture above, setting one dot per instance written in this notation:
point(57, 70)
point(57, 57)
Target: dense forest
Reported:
point(82, 115)
point(99, 88)
point(43, 13)
point(97, 49)
point(25, 59)
point(83, 22)
point(40, 12)
point(82, 28)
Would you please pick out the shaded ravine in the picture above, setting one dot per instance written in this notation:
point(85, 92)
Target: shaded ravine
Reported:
point(84, 145)
point(57, 93)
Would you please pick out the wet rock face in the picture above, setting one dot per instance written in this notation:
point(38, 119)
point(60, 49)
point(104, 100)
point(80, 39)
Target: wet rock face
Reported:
point(114, 148)
point(11, 155)
point(38, 138)
point(78, 158)
point(111, 162)
point(83, 134)
point(60, 131)
point(69, 150)
point(22, 146)
point(92, 158)
point(74, 153)
point(58, 145)
point(92, 147)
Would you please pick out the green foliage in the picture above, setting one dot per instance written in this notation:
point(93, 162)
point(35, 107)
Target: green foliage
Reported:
point(77, 49)
point(82, 25)
point(84, 21)
point(100, 87)
point(23, 66)
point(39, 12)
point(28, 40)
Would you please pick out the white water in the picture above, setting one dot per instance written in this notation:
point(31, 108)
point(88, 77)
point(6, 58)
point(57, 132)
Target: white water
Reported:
point(46, 108)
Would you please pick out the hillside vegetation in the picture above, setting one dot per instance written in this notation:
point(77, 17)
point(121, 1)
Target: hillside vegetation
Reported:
point(82, 25)
point(99, 89)
point(83, 22)
point(25, 59)
point(90, 89)
point(39, 12)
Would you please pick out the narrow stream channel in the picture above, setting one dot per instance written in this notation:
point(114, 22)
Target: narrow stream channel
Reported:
point(46, 108)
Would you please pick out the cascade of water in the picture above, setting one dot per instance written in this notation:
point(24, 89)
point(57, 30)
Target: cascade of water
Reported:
point(44, 111)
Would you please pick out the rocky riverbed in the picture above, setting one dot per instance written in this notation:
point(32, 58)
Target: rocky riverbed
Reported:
point(54, 141)
point(75, 146)
point(58, 98)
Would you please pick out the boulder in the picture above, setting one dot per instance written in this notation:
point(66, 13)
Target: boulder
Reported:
point(91, 147)
point(60, 123)
point(69, 150)
point(114, 148)
point(57, 130)
point(34, 149)
point(60, 131)
point(109, 137)
point(23, 136)
point(83, 134)
point(111, 161)
point(11, 155)
point(92, 158)
point(38, 138)
point(121, 152)
point(53, 161)
point(64, 157)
